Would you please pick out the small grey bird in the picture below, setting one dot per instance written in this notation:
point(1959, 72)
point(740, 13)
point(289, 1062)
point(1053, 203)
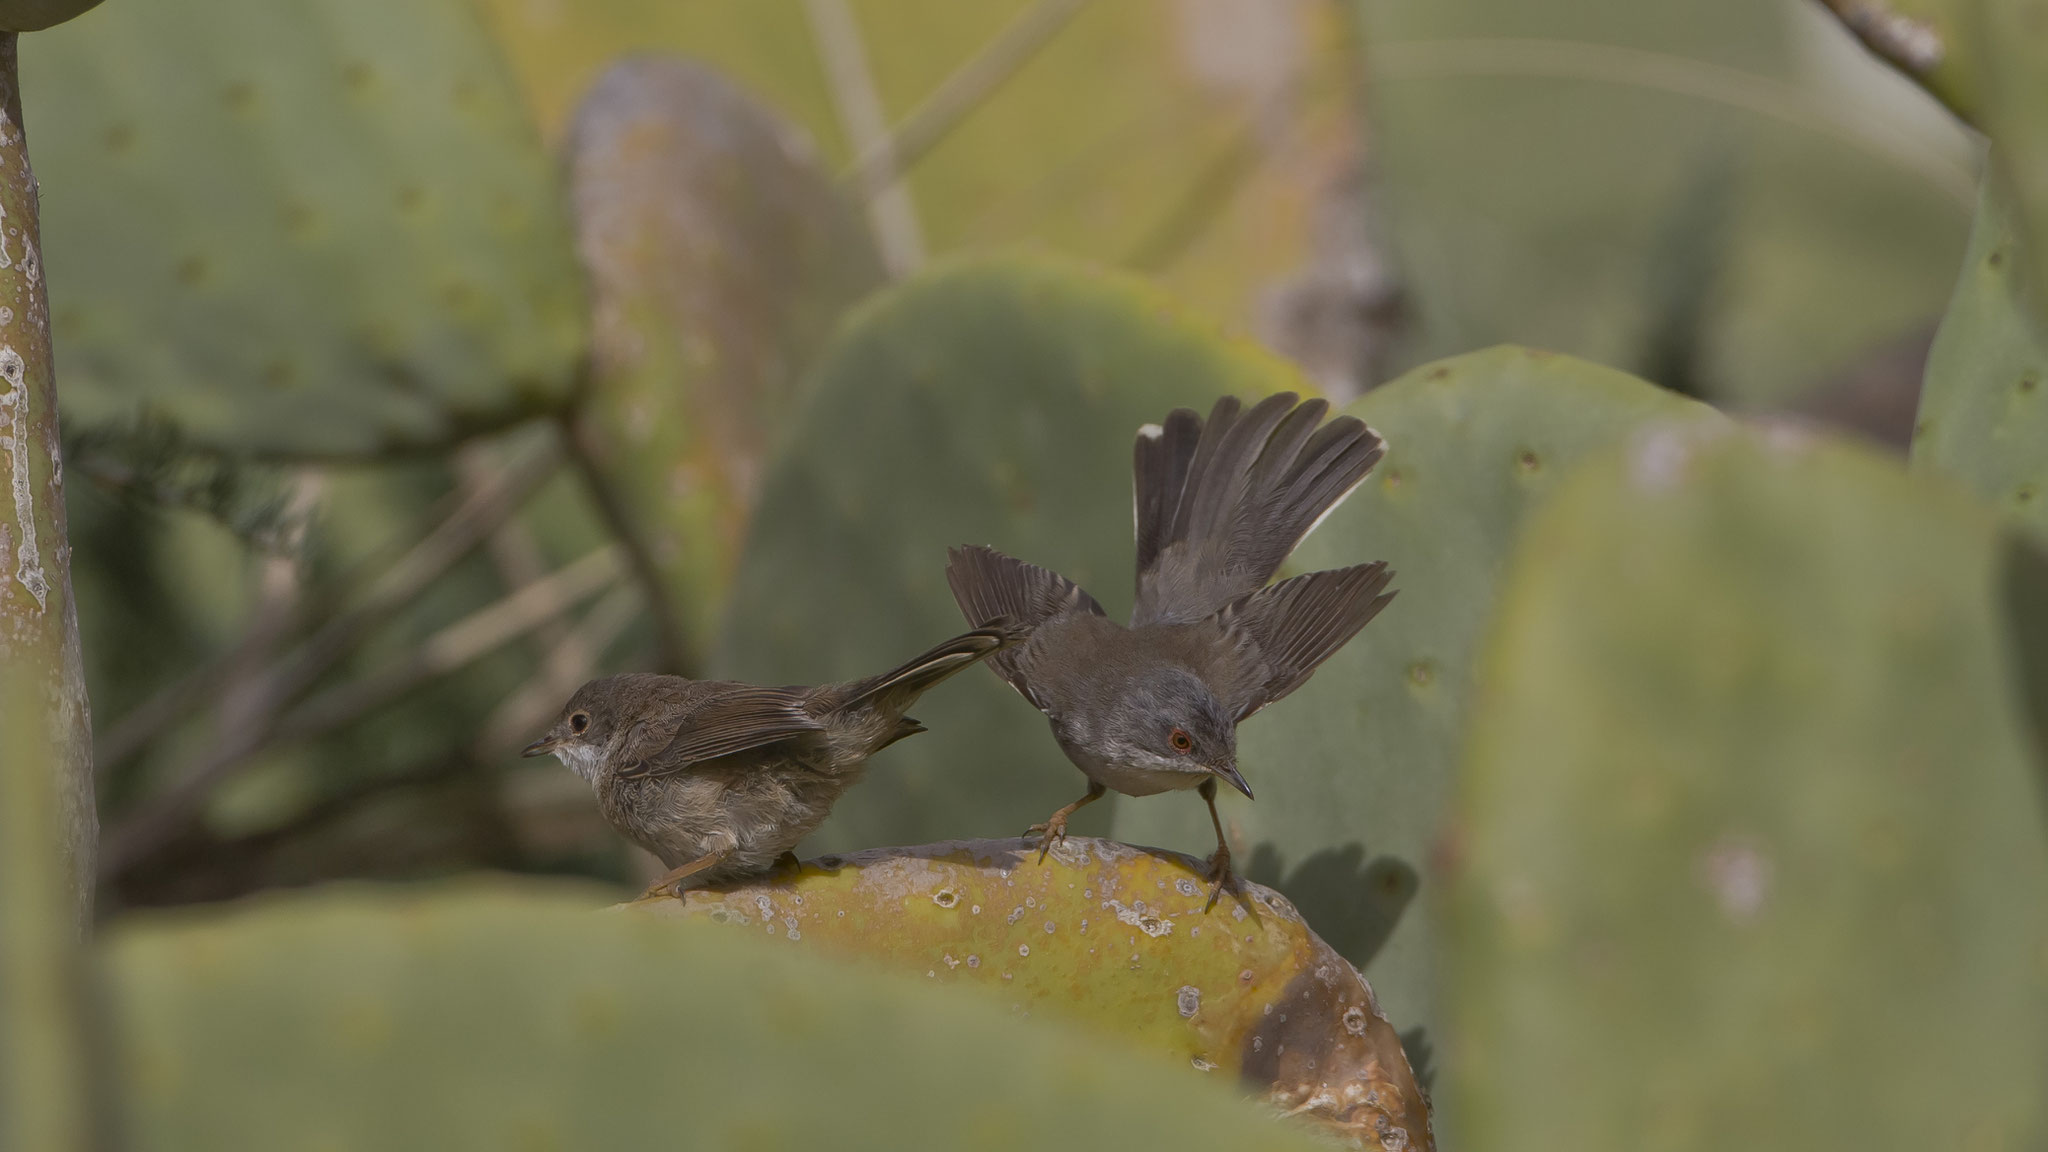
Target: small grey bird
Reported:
point(1218, 507)
point(721, 779)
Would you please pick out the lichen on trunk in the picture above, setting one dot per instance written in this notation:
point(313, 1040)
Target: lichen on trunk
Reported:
point(38, 618)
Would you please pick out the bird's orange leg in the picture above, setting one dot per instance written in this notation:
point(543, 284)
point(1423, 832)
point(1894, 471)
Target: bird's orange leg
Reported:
point(1055, 826)
point(671, 881)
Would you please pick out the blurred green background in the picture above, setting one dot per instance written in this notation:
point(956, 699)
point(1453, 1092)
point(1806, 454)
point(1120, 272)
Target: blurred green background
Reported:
point(297, 268)
point(421, 359)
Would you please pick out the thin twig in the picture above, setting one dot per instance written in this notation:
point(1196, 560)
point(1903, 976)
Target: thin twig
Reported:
point(566, 667)
point(676, 645)
point(164, 814)
point(852, 84)
point(437, 550)
point(482, 631)
point(885, 162)
point(243, 696)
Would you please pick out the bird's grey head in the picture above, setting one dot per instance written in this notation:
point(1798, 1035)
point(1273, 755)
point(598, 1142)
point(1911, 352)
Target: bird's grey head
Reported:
point(1167, 719)
point(589, 727)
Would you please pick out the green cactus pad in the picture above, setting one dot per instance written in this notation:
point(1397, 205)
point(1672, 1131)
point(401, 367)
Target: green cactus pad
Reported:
point(1927, 40)
point(298, 227)
point(2010, 47)
point(720, 256)
point(1352, 771)
point(1984, 403)
point(1747, 852)
point(1115, 938)
point(992, 402)
point(489, 1019)
point(1688, 192)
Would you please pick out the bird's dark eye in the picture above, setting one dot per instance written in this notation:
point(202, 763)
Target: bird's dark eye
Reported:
point(579, 722)
point(1181, 741)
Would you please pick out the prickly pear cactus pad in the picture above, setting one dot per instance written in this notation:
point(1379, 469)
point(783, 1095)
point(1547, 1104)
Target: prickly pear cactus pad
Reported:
point(1925, 39)
point(298, 227)
point(1747, 850)
point(720, 256)
point(1114, 937)
point(1687, 191)
point(484, 1018)
point(986, 402)
point(1352, 771)
point(1984, 402)
point(2010, 50)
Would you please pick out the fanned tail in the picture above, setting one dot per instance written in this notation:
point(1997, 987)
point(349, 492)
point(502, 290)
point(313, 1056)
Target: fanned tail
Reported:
point(1220, 504)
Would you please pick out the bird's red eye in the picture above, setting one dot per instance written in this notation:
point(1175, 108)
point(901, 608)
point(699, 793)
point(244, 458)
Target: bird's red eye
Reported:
point(579, 722)
point(1181, 741)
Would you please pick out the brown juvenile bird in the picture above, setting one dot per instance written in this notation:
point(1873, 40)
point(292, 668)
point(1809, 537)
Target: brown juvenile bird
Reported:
point(721, 779)
point(1218, 506)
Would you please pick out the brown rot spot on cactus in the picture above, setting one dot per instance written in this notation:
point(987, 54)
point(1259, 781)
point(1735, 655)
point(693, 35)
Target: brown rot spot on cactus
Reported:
point(279, 374)
point(1528, 462)
point(411, 199)
point(2024, 494)
point(1996, 260)
point(1421, 673)
point(300, 220)
point(2028, 383)
point(945, 898)
point(120, 138)
point(1440, 372)
point(191, 271)
point(1392, 480)
point(358, 76)
point(240, 97)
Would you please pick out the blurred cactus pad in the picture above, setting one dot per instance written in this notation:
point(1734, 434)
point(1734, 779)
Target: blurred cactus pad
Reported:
point(1984, 404)
point(1748, 848)
point(1688, 191)
point(1117, 939)
point(35, 15)
point(299, 227)
point(987, 402)
point(483, 1018)
point(1354, 770)
point(720, 256)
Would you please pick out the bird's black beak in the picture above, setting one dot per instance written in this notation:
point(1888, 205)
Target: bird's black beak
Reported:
point(1230, 774)
point(540, 747)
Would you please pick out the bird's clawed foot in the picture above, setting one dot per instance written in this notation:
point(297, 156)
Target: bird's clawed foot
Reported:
point(1054, 830)
point(1220, 873)
point(788, 864)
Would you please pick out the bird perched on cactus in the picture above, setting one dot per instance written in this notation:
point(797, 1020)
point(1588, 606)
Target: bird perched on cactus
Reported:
point(721, 779)
point(1219, 505)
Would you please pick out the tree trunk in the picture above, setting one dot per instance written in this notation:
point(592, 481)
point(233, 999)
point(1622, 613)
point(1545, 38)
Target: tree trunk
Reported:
point(38, 618)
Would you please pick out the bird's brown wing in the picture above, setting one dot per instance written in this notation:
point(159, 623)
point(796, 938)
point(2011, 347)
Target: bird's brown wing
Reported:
point(742, 717)
point(1282, 632)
